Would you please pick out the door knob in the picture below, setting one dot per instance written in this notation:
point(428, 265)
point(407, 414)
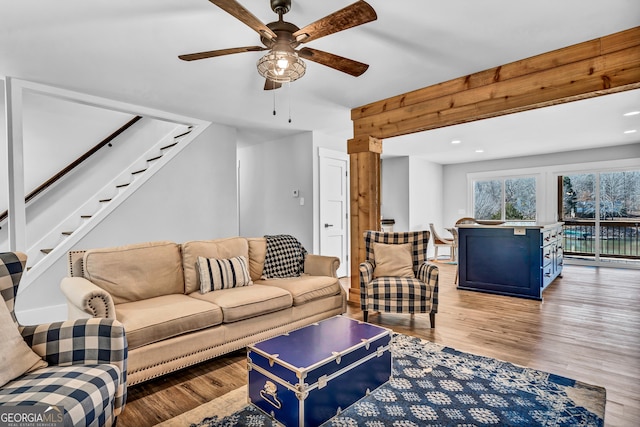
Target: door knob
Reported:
point(328, 225)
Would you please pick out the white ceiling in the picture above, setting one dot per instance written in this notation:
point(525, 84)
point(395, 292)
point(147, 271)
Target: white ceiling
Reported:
point(127, 50)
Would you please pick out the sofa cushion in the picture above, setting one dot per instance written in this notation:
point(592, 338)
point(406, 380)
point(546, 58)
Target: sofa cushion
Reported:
point(393, 260)
point(136, 272)
point(163, 317)
point(247, 301)
point(257, 252)
point(219, 248)
point(305, 288)
point(284, 257)
point(216, 274)
point(16, 356)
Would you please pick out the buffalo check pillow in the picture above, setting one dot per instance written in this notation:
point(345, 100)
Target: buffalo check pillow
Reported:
point(216, 274)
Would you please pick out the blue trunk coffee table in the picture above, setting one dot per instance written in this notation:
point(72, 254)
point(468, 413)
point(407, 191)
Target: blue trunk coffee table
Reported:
point(309, 375)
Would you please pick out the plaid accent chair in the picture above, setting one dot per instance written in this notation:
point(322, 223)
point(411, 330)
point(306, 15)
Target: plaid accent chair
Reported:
point(87, 360)
point(417, 294)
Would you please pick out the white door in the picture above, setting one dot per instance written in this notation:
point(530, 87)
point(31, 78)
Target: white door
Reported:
point(334, 202)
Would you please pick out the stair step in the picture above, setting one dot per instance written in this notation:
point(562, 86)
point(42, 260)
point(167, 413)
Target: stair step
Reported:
point(182, 134)
point(46, 251)
point(122, 185)
point(169, 146)
point(104, 200)
point(67, 233)
point(139, 171)
point(154, 158)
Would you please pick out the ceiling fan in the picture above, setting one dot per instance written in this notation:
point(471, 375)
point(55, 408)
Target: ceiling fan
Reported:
point(282, 63)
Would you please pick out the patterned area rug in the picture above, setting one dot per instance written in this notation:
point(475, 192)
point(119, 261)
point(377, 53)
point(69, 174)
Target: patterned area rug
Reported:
point(433, 385)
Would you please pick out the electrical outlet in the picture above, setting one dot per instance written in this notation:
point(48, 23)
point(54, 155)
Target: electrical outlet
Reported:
point(519, 231)
point(296, 193)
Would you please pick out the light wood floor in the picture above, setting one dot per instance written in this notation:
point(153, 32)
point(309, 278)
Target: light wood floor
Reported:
point(587, 328)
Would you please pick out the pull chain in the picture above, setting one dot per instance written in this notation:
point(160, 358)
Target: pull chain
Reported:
point(274, 99)
point(289, 95)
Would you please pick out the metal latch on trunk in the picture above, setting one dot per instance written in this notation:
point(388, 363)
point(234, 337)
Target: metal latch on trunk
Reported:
point(322, 382)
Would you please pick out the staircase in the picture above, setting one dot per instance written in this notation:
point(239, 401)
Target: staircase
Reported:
point(61, 238)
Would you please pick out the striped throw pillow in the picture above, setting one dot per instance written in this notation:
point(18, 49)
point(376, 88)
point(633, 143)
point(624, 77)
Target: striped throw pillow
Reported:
point(216, 274)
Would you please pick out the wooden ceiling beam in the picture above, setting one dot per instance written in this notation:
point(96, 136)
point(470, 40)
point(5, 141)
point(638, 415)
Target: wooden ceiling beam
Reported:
point(593, 68)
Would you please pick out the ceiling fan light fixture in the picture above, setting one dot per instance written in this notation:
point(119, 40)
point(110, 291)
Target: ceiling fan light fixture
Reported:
point(281, 66)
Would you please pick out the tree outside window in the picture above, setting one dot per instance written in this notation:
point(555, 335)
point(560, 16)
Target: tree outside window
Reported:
point(487, 196)
point(506, 199)
point(619, 195)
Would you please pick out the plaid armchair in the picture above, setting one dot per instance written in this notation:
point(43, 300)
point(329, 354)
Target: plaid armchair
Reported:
point(417, 294)
point(87, 360)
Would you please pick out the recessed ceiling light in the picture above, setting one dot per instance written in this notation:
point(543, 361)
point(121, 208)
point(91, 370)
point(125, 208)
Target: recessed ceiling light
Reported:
point(630, 131)
point(631, 113)
point(456, 141)
point(480, 150)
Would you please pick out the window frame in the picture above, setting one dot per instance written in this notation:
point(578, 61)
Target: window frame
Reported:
point(503, 178)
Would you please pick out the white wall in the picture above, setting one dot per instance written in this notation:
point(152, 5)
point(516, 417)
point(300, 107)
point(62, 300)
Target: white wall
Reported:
point(456, 191)
point(329, 141)
point(192, 197)
point(394, 192)
point(412, 194)
point(425, 195)
point(269, 172)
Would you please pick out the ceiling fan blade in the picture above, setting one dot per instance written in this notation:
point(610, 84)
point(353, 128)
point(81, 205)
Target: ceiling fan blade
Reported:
point(235, 9)
point(336, 62)
point(356, 14)
point(220, 52)
point(271, 85)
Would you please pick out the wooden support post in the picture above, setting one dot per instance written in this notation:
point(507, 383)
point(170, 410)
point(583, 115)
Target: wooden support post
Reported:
point(364, 154)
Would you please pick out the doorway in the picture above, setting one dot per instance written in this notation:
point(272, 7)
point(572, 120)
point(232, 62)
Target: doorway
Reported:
point(334, 207)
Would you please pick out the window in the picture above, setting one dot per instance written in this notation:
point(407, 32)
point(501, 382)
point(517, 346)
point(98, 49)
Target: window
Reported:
point(506, 199)
point(578, 196)
point(601, 214)
point(619, 194)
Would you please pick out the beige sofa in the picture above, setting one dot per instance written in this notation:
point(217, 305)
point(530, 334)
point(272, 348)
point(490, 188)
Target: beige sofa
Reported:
point(154, 290)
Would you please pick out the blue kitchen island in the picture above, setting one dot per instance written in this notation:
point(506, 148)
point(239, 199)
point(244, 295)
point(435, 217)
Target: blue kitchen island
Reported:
point(515, 258)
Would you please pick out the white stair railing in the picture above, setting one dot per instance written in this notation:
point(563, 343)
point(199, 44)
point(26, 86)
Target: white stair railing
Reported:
point(62, 237)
